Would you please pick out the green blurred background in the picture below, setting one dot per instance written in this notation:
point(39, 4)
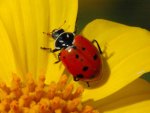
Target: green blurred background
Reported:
point(129, 12)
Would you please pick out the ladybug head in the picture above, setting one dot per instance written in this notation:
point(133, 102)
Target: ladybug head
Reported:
point(57, 32)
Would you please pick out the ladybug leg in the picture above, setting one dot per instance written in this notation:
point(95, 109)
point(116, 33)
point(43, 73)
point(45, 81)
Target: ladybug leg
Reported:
point(95, 41)
point(88, 84)
point(75, 31)
point(76, 27)
point(45, 48)
point(58, 59)
point(47, 33)
point(52, 51)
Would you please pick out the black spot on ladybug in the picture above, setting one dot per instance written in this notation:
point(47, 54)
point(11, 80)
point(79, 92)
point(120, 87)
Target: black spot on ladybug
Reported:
point(85, 68)
point(79, 76)
point(77, 56)
point(95, 57)
point(83, 48)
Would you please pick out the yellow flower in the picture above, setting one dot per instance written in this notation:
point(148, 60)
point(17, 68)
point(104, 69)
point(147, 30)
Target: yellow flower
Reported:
point(125, 53)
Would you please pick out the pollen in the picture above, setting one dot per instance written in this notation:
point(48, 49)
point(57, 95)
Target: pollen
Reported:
point(37, 97)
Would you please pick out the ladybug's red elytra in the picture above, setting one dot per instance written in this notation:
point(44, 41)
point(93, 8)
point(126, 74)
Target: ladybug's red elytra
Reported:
point(80, 57)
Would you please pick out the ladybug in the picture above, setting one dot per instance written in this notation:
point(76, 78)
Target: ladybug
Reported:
point(80, 57)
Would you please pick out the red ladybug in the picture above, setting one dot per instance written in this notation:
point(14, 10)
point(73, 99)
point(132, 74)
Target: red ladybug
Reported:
point(81, 58)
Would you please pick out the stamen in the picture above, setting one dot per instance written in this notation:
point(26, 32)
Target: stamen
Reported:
point(36, 96)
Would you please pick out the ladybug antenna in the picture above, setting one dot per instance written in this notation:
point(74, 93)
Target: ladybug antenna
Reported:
point(47, 33)
point(62, 25)
point(50, 33)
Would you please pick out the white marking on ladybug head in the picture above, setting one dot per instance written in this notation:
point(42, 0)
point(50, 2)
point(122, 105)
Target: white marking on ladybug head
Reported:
point(67, 36)
point(61, 41)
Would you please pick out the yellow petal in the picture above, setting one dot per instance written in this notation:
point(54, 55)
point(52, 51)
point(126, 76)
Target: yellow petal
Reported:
point(25, 22)
point(125, 55)
point(138, 107)
point(65, 10)
point(134, 98)
point(7, 62)
point(33, 17)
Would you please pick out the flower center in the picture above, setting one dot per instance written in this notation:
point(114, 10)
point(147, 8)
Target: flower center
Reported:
point(38, 97)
